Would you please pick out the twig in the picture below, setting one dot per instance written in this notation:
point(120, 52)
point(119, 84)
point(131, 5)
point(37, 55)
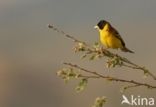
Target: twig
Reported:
point(63, 33)
point(109, 77)
point(132, 86)
point(105, 52)
point(88, 77)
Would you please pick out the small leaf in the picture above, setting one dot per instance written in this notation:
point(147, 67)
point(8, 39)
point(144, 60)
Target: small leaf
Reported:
point(96, 45)
point(92, 57)
point(123, 89)
point(81, 46)
point(68, 73)
point(99, 101)
point(83, 56)
point(146, 71)
point(113, 62)
point(82, 85)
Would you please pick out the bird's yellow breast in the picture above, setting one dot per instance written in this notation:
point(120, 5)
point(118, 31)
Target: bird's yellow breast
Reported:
point(110, 40)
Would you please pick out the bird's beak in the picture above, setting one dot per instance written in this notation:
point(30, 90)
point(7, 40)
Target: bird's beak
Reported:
point(96, 27)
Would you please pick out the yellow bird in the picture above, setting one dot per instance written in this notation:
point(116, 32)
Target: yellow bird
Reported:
point(110, 37)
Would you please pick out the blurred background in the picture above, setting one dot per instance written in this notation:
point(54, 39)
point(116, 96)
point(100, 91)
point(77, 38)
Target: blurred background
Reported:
point(31, 54)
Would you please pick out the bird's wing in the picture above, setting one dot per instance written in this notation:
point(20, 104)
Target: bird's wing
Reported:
point(116, 34)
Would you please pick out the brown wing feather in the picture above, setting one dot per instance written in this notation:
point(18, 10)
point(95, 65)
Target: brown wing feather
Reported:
point(117, 35)
point(113, 30)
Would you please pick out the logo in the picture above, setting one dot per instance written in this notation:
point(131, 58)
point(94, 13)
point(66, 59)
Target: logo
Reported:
point(137, 101)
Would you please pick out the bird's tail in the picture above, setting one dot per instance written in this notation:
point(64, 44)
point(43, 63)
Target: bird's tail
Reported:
point(124, 49)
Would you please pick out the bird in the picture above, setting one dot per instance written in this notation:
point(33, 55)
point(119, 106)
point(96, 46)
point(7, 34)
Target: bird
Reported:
point(110, 37)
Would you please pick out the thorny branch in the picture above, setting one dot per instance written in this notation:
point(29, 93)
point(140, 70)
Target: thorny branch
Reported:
point(99, 52)
point(110, 78)
point(105, 52)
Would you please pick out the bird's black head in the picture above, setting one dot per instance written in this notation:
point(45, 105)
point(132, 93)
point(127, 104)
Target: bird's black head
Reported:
point(101, 24)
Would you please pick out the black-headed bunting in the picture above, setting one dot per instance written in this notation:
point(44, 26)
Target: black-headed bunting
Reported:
point(110, 37)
